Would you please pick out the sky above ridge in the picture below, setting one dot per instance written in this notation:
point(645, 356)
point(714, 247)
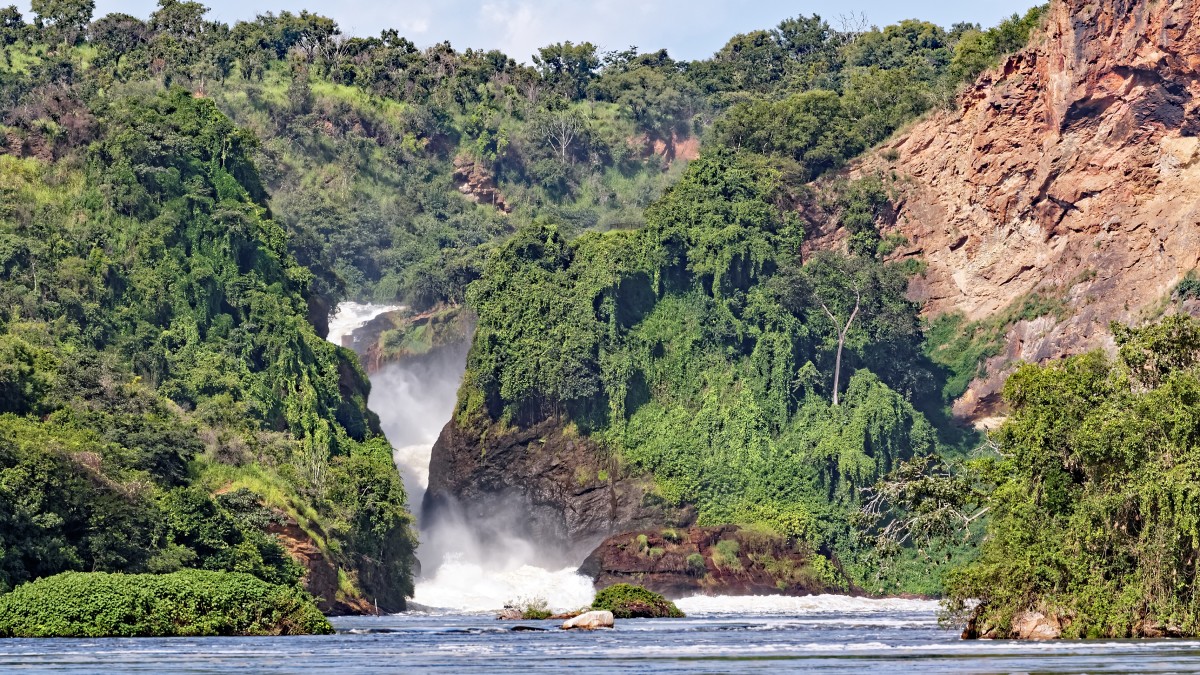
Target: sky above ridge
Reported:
point(688, 29)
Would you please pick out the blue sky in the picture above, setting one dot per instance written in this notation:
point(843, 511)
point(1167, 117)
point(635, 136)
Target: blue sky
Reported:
point(689, 29)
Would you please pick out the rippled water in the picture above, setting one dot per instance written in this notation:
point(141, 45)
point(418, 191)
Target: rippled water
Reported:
point(826, 634)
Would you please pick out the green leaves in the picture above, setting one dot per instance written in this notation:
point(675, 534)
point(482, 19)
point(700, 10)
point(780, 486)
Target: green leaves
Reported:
point(1095, 513)
point(184, 604)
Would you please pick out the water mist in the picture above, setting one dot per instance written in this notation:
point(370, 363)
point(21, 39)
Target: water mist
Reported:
point(414, 400)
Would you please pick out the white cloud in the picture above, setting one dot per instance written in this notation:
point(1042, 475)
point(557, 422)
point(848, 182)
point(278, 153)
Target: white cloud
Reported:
point(417, 26)
point(515, 28)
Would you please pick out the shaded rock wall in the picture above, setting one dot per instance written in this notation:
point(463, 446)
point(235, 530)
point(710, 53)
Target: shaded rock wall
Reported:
point(681, 562)
point(543, 484)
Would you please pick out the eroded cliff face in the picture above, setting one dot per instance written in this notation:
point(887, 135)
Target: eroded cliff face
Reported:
point(544, 484)
point(1072, 170)
point(726, 560)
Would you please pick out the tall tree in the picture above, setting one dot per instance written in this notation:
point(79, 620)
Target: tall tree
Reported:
point(116, 35)
point(63, 21)
point(568, 67)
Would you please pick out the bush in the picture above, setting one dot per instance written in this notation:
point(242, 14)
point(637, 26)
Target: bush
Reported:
point(695, 565)
point(725, 555)
point(532, 609)
point(188, 603)
point(627, 601)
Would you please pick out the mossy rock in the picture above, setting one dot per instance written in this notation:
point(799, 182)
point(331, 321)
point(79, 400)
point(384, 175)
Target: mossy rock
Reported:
point(182, 604)
point(627, 601)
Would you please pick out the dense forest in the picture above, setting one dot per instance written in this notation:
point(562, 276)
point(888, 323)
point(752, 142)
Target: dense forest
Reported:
point(185, 201)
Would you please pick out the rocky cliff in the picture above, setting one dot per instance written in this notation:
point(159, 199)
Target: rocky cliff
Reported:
point(403, 336)
point(727, 560)
point(544, 484)
point(1073, 170)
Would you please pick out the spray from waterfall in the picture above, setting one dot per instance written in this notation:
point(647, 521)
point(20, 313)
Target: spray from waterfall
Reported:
point(414, 400)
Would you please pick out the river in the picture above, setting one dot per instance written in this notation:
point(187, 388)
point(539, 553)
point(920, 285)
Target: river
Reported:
point(826, 633)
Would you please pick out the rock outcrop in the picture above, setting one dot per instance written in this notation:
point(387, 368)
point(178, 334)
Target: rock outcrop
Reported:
point(1071, 170)
point(724, 560)
point(476, 183)
point(320, 573)
point(1028, 625)
point(544, 483)
point(443, 332)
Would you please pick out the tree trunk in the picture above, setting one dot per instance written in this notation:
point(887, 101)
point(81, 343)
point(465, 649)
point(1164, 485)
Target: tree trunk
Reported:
point(837, 366)
point(837, 361)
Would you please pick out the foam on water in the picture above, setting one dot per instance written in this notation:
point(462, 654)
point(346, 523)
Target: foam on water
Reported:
point(471, 587)
point(781, 605)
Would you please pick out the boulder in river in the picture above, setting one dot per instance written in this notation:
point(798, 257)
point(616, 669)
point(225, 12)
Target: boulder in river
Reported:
point(590, 621)
point(1036, 626)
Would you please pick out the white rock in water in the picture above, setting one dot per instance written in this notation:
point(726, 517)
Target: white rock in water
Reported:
point(1035, 626)
point(590, 621)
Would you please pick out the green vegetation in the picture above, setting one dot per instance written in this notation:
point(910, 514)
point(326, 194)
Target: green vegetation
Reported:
point(532, 609)
point(725, 555)
point(1093, 515)
point(700, 348)
point(158, 337)
point(962, 347)
point(183, 604)
point(1188, 288)
point(627, 601)
point(184, 202)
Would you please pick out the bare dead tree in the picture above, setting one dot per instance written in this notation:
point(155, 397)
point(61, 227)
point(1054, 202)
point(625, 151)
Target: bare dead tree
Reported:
point(850, 26)
point(560, 130)
point(843, 330)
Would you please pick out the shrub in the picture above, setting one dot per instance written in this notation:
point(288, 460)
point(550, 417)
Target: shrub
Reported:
point(188, 603)
point(532, 609)
point(725, 555)
point(671, 536)
point(696, 566)
point(643, 543)
point(627, 601)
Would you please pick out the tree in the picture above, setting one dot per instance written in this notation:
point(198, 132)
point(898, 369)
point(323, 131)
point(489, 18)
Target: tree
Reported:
point(181, 35)
point(567, 67)
point(560, 130)
point(837, 286)
point(807, 39)
point(63, 21)
point(857, 301)
point(1093, 517)
point(116, 35)
point(313, 31)
point(12, 30)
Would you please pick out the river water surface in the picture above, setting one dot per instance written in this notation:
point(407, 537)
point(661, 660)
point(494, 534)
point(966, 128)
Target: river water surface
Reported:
point(825, 633)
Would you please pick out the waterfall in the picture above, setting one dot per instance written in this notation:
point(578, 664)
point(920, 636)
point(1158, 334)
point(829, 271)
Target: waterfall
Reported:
point(414, 400)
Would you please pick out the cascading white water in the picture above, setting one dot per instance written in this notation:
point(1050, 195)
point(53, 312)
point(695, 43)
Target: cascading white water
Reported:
point(351, 316)
point(414, 401)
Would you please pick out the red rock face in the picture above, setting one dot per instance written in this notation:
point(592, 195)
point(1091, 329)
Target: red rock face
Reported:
point(1071, 170)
